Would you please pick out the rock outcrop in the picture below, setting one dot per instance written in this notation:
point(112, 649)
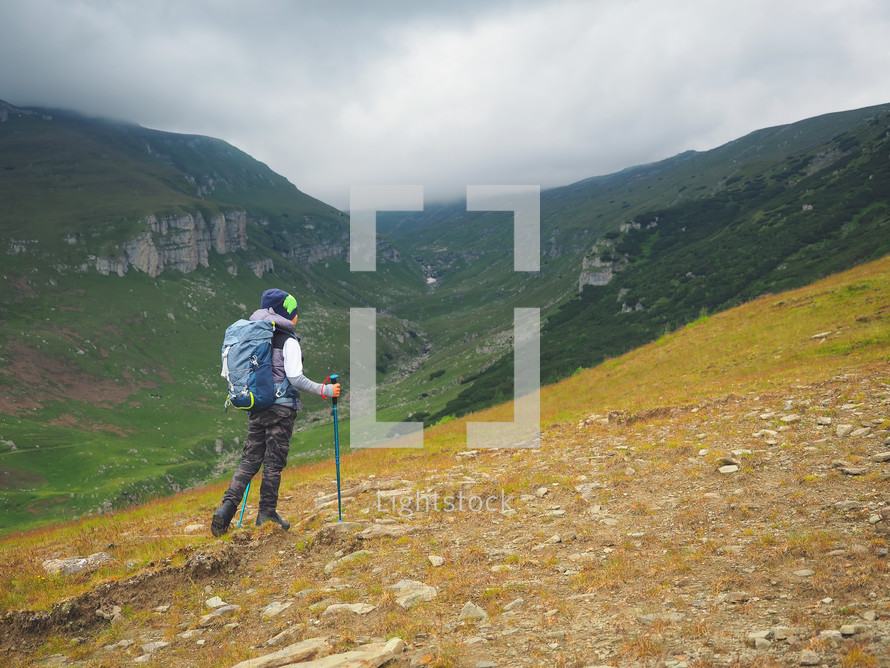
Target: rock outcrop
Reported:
point(181, 243)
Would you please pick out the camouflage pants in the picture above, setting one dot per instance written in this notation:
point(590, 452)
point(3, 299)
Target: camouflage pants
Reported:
point(267, 445)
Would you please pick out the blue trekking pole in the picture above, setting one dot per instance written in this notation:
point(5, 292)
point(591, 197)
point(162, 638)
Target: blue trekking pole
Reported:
point(333, 379)
point(244, 503)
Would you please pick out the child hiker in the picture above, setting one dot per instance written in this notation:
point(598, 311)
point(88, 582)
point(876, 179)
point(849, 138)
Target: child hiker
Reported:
point(269, 431)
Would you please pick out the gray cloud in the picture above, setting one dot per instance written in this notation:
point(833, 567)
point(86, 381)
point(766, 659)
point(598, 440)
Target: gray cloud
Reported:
point(448, 94)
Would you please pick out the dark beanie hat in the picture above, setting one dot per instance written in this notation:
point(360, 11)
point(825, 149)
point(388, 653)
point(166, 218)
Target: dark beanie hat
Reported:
point(281, 302)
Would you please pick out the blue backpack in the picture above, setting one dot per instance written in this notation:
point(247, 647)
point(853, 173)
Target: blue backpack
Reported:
point(247, 364)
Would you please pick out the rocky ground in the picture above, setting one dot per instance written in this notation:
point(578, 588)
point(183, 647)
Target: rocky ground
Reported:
point(745, 531)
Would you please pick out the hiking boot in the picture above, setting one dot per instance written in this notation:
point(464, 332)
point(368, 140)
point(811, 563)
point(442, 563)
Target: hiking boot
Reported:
point(222, 518)
point(272, 517)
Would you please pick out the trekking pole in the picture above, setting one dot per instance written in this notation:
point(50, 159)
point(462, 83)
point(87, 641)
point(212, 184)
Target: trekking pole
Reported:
point(244, 503)
point(333, 379)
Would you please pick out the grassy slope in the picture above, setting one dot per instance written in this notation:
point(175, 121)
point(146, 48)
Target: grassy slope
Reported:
point(762, 346)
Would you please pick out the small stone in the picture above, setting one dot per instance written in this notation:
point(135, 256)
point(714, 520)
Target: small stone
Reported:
point(881, 457)
point(737, 597)
point(852, 629)
point(823, 421)
point(860, 433)
point(436, 560)
point(844, 430)
point(843, 506)
point(73, 565)
point(384, 531)
point(411, 592)
point(215, 602)
point(785, 632)
point(195, 528)
point(541, 492)
point(805, 573)
point(471, 612)
point(789, 419)
point(274, 609)
point(757, 635)
point(151, 647)
point(809, 658)
point(512, 605)
point(216, 615)
point(852, 470)
point(726, 470)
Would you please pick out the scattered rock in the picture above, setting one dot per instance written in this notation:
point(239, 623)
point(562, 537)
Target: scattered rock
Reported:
point(218, 614)
point(649, 620)
point(152, 647)
point(215, 602)
point(274, 609)
point(110, 612)
point(730, 468)
point(514, 604)
point(823, 421)
point(73, 565)
point(758, 639)
point(355, 608)
point(844, 430)
point(384, 531)
point(471, 612)
point(314, 648)
point(844, 506)
point(852, 629)
point(881, 457)
point(195, 528)
point(436, 560)
point(790, 419)
point(785, 632)
point(334, 531)
point(371, 655)
point(410, 592)
point(805, 573)
point(809, 658)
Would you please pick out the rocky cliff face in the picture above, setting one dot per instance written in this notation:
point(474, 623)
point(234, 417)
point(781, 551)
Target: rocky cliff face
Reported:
point(181, 243)
point(600, 267)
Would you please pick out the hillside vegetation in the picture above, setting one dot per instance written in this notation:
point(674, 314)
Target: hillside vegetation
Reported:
point(716, 497)
point(697, 234)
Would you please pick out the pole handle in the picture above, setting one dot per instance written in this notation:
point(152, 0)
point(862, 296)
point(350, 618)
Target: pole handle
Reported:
point(333, 378)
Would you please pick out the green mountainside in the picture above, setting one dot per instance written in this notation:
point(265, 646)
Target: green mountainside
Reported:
point(125, 254)
point(127, 251)
point(654, 247)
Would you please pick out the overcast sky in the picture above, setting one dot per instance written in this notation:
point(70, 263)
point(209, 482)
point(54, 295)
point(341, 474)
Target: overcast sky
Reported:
point(444, 94)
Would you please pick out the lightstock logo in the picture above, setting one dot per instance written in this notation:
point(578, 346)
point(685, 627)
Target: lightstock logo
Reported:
point(525, 429)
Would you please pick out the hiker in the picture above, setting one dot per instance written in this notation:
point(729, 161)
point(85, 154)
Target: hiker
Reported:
point(269, 431)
